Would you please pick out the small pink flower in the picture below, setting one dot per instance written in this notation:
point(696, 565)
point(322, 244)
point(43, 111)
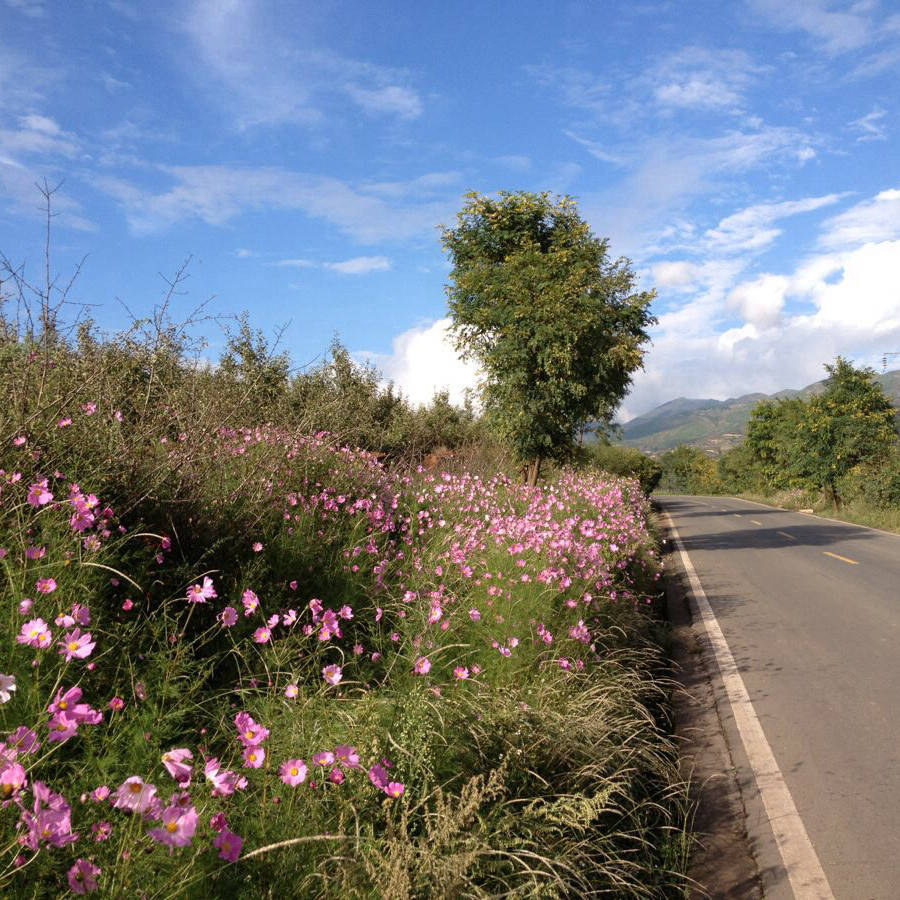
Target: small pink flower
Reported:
point(332, 674)
point(347, 756)
point(422, 666)
point(474, 615)
point(38, 493)
point(19, 440)
point(291, 691)
point(35, 552)
point(134, 795)
point(64, 422)
point(228, 617)
point(177, 766)
point(178, 826)
point(394, 789)
point(229, 845)
point(25, 606)
point(218, 822)
point(336, 776)
point(257, 547)
point(117, 704)
point(77, 645)
point(89, 408)
point(250, 601)
point(35, 633)
point(101, 831)
point(250, 732)
point(460, 673)
point(323, 758)
point(293, 772)
point(289, 618)
point(273, 620)
point(128, 605)
point(45, 585)
point(262, 635)
point(83, 877)
point(200, 593)
point(254, 756)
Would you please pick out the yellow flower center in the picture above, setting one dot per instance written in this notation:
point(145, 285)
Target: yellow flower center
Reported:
point(73, 646)
point(249, 735)
point(172, 827)
point(252, 757)
point(295, 770)
point(135, 787)
point(63, 704)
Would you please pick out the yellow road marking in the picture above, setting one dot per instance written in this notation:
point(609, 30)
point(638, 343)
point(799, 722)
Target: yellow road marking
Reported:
point(790, 537)
point(755, 522)
point(852, 562)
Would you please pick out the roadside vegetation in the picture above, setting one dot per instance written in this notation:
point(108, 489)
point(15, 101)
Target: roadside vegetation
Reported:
point(836, 453)
point(270, 633)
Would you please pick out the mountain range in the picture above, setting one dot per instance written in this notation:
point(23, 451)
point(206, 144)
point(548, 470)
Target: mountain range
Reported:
point(715, 426)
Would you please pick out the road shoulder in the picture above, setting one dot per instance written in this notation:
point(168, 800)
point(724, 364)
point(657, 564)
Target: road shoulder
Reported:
point(722, 861)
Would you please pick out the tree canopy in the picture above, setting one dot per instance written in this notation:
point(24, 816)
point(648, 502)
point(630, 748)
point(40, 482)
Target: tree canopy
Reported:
point(555, 324)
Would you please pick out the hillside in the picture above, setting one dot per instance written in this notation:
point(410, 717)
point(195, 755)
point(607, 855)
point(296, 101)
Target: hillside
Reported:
point(714, 425)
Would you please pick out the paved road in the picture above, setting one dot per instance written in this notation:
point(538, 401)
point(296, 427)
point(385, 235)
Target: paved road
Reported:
point(811, 611)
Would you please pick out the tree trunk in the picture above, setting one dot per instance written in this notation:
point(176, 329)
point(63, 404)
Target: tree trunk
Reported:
point(533, 471)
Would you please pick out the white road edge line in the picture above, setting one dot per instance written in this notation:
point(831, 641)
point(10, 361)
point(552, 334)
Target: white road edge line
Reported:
point(801, 863)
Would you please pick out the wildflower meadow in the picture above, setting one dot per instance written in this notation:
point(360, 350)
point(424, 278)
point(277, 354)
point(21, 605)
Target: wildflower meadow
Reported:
point(249, 660)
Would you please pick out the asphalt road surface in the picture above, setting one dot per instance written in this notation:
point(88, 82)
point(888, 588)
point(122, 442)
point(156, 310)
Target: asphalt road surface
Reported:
point(810, 609)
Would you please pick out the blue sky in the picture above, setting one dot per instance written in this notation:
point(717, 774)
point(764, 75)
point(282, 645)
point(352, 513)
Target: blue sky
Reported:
point(744, 155)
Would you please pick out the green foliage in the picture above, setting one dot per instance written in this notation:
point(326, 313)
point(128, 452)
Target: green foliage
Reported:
point(625, 461)
point(556, 325)
point(687, 470)
point(772, 443)
point(850, 424)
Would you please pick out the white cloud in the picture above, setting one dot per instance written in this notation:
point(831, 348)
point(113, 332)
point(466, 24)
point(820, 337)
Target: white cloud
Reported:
point(274, 75)
point(596, 149)
point(218, 194)
point(703, 79)
point(872, 220)
point(423, 361)
point(360, 265)
point(839, 30)
point(751, 228)
point(839, 303)
point(870, 126)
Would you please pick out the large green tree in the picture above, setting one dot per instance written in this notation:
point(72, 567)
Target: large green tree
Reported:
point(849, 423)
point(555, 324)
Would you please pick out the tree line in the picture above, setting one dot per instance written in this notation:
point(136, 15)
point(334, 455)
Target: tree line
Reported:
point(841, 443)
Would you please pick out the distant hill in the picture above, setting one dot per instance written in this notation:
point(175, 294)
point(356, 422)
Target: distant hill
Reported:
point(715, 425)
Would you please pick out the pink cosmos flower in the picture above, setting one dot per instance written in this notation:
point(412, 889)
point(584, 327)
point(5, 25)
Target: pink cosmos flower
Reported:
point(394, 789)
point(228, 617)
point(474, 615)
point(293, 772)
point(128, 605)
point(378, 775)
point(7, 686)
point(100, 794)
point(35, 552)
point(262, 635)
point(89, 408)
point(250, 732)
point(174, 761)
point(347, 756)
point(224, 781)
point(178, 826)
point(336, 776)
point(218, 822)
point(77, 645)
point(19, 440)
point(64, 422)
point(12, 779)
point(254, 756)
point(332, 674)
point(291, 691)
point(273, 620)
point(422, 666)
point(45, 585)
point(250, 601)
point(25, 606)
point(117, 704)
point(39, 493)
point(81, 614)
point(460, 673)
point(200, 593)
point(323, 758)
point(257, 547)
point(229, 845)
point(83, 877)
point(50, 822)
point(435, 615)
point(289, 618)
point(23, 740)
point(134, 795)
point(35, 634)
point(101, 831)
